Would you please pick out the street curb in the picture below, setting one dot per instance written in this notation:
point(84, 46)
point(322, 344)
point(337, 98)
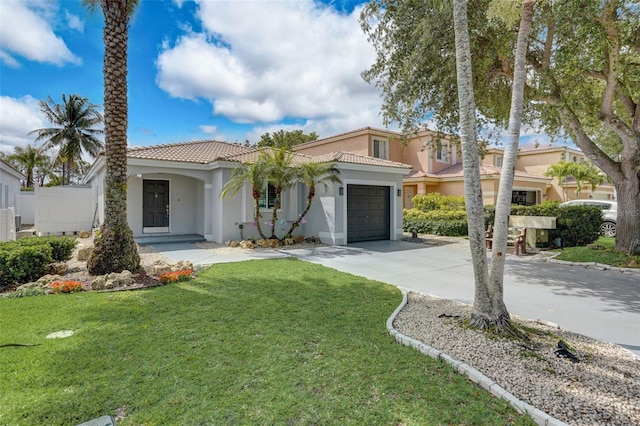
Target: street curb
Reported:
point(596, 266)
point(538, 416)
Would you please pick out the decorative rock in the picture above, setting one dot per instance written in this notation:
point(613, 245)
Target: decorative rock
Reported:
point(42, 282)
point(84, 234)
point(262, 243)
point(247, 244)
point(298, 239)
point(160, 269)
point(182, 265)
point(289, 242)
point(111, 281)
point(273, 243)
point(58, 268)
point(235, 244)
point(84, 253)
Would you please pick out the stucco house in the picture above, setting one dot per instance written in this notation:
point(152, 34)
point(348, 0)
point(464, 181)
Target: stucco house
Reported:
point(436, 164)
point(10, 180)
point(175, 190)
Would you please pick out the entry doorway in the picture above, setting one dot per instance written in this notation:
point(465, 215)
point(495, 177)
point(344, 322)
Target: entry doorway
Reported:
point(155, 206)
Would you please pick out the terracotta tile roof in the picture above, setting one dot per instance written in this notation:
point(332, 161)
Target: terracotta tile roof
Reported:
point(204, 152)
point(349, 157)
point(253, 153)
point(201, 152)
point(456, 171)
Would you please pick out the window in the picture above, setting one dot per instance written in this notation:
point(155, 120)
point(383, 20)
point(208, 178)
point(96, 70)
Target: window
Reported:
point(268, 197)
point(380, 148)
point(442, 152)
point(497, 160)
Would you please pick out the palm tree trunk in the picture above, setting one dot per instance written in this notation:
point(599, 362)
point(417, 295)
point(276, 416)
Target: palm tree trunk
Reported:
point(115, 249)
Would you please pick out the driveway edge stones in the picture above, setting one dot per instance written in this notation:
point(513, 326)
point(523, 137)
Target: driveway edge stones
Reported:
point(538, 416)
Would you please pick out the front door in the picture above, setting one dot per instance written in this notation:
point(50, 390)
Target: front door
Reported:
point(155, 206)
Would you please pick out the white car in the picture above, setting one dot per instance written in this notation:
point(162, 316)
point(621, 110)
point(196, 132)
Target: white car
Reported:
point(609, 213)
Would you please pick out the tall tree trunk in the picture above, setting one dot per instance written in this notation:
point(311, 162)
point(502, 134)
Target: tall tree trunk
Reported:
point(505, 189)
point(482, 312)
point(115, 249)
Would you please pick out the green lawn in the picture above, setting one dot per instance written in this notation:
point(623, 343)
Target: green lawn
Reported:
point(258, 342)
point(602, 251)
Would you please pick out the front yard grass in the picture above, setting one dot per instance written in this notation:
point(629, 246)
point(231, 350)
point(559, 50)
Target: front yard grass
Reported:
point(258, 342)
point(602, 251)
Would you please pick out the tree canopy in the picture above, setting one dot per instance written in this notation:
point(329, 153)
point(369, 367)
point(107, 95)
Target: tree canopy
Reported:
point(286, 139)
point(582, 79)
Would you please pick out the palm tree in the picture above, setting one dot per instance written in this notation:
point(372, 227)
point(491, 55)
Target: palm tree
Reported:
point(562, 170)
point(312, 175)
point(282, 175)
point(75, 129)
point(587, 172)
point(29, 160)
point(254, 174)
point(115, 250)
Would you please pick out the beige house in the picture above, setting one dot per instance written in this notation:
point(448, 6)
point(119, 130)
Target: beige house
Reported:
point(436, 164)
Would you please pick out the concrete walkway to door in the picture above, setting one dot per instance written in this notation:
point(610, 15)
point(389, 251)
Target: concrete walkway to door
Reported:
point(601, 304)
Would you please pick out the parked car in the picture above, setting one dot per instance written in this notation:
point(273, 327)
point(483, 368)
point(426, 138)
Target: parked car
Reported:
point(609, 213)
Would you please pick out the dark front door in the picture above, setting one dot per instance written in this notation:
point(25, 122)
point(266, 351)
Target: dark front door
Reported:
point(368, 213)
point(155, 206)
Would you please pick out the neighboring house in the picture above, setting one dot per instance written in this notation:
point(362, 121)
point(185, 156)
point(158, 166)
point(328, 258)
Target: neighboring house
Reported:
point(175, 190)
point(10, 179)
point(436, 164)
point(537, 159)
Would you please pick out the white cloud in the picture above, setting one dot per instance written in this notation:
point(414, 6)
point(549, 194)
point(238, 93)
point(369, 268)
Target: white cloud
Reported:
point(26, 31)
point(208, 129)
point(18, 117)
point(266, 62)
point(74, 22)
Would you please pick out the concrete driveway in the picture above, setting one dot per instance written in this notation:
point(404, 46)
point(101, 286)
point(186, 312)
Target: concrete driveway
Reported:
point(601, 304)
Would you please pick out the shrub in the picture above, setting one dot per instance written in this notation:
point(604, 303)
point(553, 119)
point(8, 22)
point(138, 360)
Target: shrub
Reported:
point(65, 287)
point(437, 201)
point(27, 259)
point(438, 222)
point(21, 264)
point(175, 276)
point(61, 247)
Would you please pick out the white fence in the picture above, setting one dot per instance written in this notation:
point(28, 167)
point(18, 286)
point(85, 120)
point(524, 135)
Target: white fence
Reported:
point(26, 206)
point(7, 224)
point(64, 209)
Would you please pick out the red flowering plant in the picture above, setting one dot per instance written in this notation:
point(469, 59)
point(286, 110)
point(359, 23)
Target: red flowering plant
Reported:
point(65, 287)
point(175, 276)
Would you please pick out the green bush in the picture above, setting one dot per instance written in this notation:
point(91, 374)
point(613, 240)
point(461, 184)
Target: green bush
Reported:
point(21, 264)
point(27, 259)
point(438, 222)
point(61, 247)
point(575, 225)
point(437, 201)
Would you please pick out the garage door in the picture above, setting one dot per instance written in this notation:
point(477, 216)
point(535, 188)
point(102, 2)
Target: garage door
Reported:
point(368, 213)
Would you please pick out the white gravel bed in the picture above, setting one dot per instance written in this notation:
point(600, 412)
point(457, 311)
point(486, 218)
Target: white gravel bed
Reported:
point(602, 388)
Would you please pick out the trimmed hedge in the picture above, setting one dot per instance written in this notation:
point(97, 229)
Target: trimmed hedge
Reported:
point(575, 225)
point(28, 259)
point(438, 222)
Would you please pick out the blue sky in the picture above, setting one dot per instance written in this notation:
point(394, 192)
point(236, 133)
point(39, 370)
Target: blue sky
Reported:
point(226, 70)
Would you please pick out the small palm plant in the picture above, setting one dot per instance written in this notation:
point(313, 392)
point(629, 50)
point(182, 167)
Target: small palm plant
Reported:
point(282, 175)
point(255, 174)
